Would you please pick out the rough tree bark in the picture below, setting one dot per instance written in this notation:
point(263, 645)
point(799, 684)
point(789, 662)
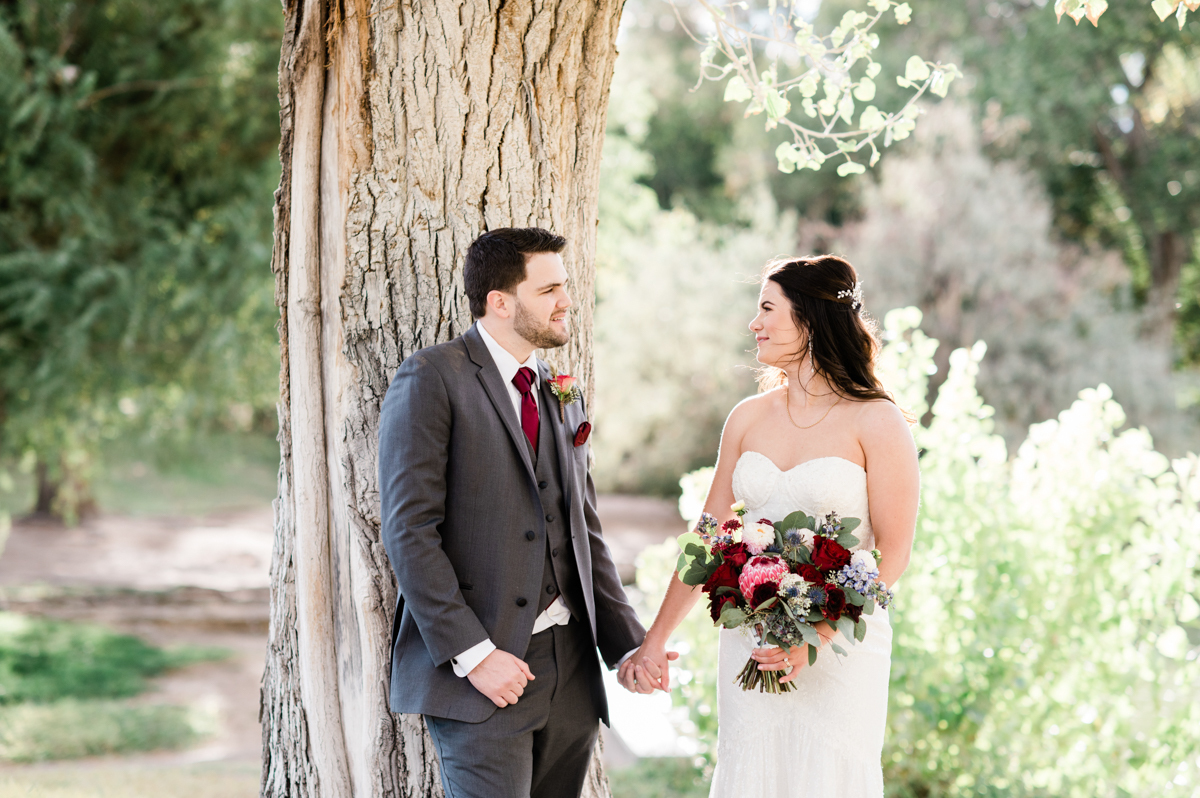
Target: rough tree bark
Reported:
point(407, 129)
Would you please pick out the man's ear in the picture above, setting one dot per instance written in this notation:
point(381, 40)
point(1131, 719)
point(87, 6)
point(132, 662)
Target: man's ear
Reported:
point(500, 303)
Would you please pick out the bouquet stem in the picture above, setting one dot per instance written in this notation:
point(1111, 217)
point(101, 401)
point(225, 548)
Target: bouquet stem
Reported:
point(765, 681)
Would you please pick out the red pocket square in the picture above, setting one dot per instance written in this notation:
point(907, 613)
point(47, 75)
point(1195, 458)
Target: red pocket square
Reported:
point(581, 434)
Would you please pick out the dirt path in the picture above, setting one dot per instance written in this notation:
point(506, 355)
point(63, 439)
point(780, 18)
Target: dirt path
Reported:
point(202, 582)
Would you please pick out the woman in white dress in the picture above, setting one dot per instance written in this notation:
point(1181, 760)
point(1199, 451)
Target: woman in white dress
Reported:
point(823, 436)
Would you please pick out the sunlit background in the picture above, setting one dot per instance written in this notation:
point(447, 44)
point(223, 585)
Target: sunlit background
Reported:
point(1031, 254)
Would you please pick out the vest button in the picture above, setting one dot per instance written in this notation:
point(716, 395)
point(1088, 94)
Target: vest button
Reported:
point(554, 553)
point(529, 535)
point(549, 590)
point(543, 484)
point(550, 518)
point(521, 602)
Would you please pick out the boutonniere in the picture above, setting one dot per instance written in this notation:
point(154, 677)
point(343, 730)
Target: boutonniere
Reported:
point(566, 389)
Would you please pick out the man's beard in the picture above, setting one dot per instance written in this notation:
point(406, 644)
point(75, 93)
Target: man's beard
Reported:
point(541, 335)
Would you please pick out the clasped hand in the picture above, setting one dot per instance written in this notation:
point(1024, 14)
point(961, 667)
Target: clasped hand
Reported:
point(501, 677)
point(647, 669)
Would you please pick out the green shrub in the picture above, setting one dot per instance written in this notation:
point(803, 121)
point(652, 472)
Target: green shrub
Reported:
point(1046, 631)
point(656, 777)
point(44, 660)
point(72, 728)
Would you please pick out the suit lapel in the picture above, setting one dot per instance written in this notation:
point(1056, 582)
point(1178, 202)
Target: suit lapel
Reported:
point(565, 445)
point(497, 392)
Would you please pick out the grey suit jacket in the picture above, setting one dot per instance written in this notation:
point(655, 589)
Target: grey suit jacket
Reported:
point(458, 501)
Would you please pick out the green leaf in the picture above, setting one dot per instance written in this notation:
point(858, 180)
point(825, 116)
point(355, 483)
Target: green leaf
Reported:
point(916, 69)
point(869, 607)
point(850, 524)
point(850, 168)
point(903, 14)
point(865, 91)
point(809, 84)
point(787, 157)
point(873, 69)
point(846, 108)
point(796, 520)
point(847, 540)
point(837, 36)
point(804, 555)
point(812, 655)
point(871, 119)
point(879, 5)
point(810, 635)
point(775, 104)
point(837, 649)
point(736, 90)
point(846, 627)
point(731, 617)
point(724, 590)
point(815, 616)
point(766, 605)
point(854, 597)
point(860, 630)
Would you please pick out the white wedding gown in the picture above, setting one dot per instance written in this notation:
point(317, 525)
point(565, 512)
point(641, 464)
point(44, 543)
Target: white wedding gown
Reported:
point(824, 739)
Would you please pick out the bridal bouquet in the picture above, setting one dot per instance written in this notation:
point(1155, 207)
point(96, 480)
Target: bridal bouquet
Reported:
point(781, 578)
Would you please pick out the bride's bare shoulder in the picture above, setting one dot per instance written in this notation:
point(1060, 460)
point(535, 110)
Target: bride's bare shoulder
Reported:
point(750, 410)
point(880, 419)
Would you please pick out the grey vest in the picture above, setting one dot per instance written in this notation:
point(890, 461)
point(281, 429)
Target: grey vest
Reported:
point(559, 574)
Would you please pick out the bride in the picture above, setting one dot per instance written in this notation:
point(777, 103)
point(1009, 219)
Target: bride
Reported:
point(823, 436)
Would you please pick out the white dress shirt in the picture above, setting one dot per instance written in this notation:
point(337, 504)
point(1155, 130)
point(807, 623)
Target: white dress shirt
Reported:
point(557, 613)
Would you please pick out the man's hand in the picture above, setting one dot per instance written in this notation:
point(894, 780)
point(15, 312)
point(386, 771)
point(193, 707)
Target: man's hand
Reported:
point(647, 669)
point(501, 677)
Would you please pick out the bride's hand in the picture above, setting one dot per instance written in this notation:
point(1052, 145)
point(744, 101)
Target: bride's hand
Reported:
point(774, 658)
point(647, 669)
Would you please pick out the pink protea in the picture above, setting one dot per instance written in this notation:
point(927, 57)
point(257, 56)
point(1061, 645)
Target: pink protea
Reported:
point(759, 571)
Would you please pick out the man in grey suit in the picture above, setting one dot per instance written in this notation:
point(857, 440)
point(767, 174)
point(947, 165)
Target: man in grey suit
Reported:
point(489, 519)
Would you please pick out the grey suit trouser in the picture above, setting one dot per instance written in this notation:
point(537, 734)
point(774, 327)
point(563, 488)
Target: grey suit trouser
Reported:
point(539, 747)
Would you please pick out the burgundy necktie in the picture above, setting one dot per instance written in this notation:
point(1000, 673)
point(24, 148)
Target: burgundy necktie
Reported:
point(523, 379)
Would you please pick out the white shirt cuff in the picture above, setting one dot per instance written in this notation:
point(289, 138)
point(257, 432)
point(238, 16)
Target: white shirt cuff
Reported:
point(465, 662)
point(627, 656)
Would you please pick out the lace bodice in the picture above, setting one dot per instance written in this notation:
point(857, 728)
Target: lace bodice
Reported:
point(820, 486)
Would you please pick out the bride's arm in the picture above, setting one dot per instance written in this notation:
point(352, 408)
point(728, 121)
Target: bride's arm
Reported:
point(893, 485)
point(648, 664)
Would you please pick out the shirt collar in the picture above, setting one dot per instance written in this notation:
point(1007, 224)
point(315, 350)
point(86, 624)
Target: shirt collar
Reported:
point(505, 362)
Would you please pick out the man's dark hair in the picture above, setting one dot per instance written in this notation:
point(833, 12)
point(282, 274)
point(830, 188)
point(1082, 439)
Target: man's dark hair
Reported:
point(496, 261)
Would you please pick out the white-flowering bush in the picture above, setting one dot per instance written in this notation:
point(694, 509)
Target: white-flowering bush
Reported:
point(1046, 631)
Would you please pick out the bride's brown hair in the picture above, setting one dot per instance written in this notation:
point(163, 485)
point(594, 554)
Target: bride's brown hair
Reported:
point(844, 340)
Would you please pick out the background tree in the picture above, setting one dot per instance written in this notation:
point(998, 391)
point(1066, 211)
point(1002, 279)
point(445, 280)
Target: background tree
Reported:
point(407, 129)
point(136, 155)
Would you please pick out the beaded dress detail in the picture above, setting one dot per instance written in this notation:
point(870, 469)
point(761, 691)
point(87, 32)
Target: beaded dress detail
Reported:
point(825, 738)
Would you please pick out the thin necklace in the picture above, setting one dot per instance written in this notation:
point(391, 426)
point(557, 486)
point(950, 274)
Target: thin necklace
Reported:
point(788, 407)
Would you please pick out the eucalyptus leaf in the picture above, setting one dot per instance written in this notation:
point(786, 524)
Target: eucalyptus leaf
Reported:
point(850, 524)
point(869, 607)
point(846, 627)
point(794, 520)
point(838, 649)
point(847, 540)
point(732, 617)
point(812, 655)
point(766, 605)
point(810, 635)
point(860, 630)
point(854, 597)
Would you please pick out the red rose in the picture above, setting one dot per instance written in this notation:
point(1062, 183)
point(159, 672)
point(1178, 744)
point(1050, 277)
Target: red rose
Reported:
point(735, 554)
point(835, 602)
point(581, 434)
point(718, 604)
point(725, 576)
point(853, 612)
point(763, 593)
point(829, 555)
point(809, 573)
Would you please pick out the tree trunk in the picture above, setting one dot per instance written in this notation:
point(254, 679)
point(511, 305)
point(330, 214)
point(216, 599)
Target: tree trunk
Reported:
point(407, 130)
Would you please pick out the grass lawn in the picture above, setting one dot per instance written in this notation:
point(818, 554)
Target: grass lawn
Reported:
point(660, 778)
point(118, 781)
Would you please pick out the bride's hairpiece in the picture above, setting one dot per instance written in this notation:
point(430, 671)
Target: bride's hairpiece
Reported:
point(855, 295)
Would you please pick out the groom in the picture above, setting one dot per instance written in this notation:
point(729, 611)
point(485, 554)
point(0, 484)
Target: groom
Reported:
point(489, 519)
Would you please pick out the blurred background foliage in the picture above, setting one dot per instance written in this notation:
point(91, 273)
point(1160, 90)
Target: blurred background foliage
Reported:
point(137, 159)
point(1049, 206)
point(1047, 630)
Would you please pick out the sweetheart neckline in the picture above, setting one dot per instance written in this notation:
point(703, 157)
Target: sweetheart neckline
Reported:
point(798, 465)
